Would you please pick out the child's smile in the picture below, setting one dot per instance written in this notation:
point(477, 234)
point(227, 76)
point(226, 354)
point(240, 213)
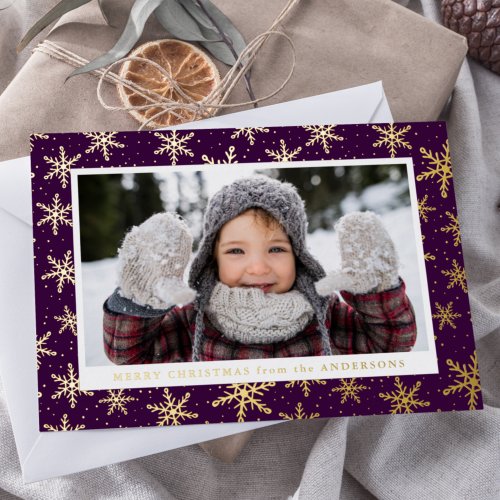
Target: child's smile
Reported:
point(249, 253)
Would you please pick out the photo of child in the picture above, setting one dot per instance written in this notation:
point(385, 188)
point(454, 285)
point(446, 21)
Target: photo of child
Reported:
point(254, 289)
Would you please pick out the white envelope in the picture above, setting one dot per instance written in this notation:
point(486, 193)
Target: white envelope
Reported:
point(49, 454)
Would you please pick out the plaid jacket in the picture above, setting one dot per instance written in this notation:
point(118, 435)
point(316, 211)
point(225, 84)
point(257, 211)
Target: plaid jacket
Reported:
point(374, 322)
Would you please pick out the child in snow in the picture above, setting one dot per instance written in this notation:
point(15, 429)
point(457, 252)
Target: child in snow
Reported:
point(256, 291)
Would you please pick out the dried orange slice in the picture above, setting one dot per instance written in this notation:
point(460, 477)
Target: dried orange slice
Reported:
point(193, 71)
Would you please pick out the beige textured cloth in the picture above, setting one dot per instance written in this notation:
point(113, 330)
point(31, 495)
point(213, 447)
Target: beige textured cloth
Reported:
point(434, 456)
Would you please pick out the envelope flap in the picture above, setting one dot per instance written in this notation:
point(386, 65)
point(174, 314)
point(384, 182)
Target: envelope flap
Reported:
point(15, 188)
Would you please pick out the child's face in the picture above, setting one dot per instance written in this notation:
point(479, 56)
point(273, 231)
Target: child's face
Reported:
point(251, 254)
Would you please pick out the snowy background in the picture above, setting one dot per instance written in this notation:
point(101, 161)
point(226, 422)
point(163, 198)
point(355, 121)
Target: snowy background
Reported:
point(99, 277)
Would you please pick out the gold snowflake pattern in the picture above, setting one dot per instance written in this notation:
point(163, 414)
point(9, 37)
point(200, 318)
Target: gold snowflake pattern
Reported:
point(61, 166)
point(62, 270)
point(33, 137)
point(440, 166)
point(117, 401)
point(283, 154)
point(299, 414)
point(404, 400)
point(428, 255)
point(69, 387)
point(245, 395)
point(172, 411)
point(174, 145)
point(42, 349)
point(67, 320)
point(55, 214)
point(103, 142)
point(230, 158)
point(456, 276)
point(445, 315)
point(322, 134)
point(249, 133)
point(349, 388)
point(392, 138)
point(466, 379)
point(423, 208)
point(305, 385)
point(453, 228)
point(65, 426)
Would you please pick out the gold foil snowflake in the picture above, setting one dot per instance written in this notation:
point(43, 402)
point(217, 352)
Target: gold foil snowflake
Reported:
point(244, 396)
point(423, 208)
point(65, 426)
point(55, 214)
point(33, 137)
point(392, 138)
point(428, 255)
point(466, 380)
point(453, 228)
point(445, 315)
point(103, 142)
point(283, 154)
point(171, 412)
point(322, 134)
point(404, 400)
point(69, 387)
point(349, 389)
point(230, 158)
point(299, 414)
point(67, 320)
point(61, 166)
point(456, 276)
point(42, 349)
point(174, 145)
point(440, 167)
point(249, 133)
point(117, 401)
point(62, 270)
point(305, 385)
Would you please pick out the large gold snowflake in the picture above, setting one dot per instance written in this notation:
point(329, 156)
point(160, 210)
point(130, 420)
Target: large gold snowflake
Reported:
point(440, 166)
point(174, 145)
point(423, 208)
point(67, 320)
point(34, 137)
point(467, 380)
point(445, 315)
point(283, 154)
point(55, 214)
point(62, 270)
point(244, 396)
point(322, 134)
point(171, 412)
point(453, 228)
point(103, 142)
point(299, 414)
point(61, 166)
point(349, 388)
point(65, 426)
point(404, 400)
point(117, 401)
point(42, 349)
point(230, 158)
point(392, 138)
point(249, 133)
point(69, 386)
point(456, 276)
point(305, 385)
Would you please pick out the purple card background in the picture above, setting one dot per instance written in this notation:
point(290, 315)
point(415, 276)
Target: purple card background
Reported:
point(62, 406)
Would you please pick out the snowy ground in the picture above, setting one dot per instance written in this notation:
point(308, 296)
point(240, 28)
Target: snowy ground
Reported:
point(99, 279)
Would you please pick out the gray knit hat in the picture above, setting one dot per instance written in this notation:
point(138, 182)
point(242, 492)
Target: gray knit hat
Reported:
point(281, 201)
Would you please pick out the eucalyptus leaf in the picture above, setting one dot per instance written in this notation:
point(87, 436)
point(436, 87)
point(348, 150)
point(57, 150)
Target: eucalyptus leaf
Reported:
point(201, 18)
point(103, 12)
point(174, 18)
point(53, 15)
point(139, 14)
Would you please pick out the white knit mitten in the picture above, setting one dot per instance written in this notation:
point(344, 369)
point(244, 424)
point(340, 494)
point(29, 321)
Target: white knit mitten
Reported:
point(152, 260)
point(369, 259)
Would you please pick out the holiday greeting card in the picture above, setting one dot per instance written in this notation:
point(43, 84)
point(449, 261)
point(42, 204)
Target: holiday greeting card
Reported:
point(231, 275)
